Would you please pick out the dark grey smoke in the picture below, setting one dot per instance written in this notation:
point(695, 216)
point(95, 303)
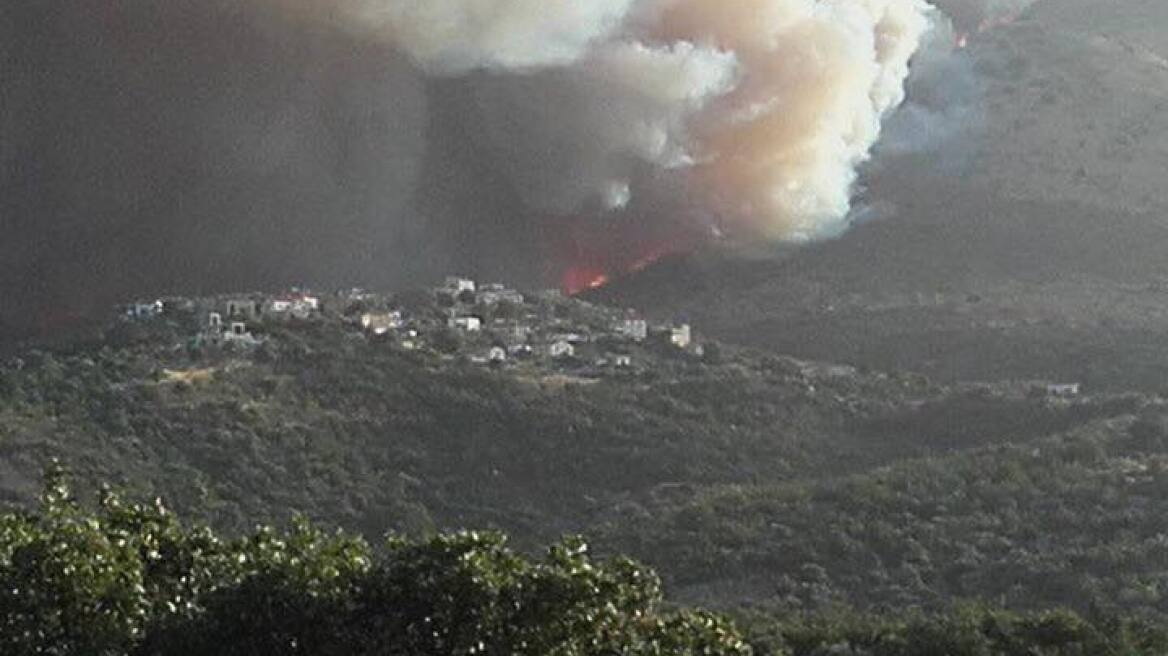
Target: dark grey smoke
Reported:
point(943, 108)
point(197, 145)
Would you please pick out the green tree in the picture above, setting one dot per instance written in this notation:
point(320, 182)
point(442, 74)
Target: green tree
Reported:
point(131, 579)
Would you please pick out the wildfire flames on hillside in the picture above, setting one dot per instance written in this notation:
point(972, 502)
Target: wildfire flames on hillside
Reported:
point(589, 255)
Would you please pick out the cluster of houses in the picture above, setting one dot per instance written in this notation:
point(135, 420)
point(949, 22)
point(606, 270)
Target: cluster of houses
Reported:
point(485, 323)
point(229, 320)
point(497, 325)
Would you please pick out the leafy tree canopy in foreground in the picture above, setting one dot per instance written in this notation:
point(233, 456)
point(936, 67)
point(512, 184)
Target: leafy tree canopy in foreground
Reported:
point(130, 578)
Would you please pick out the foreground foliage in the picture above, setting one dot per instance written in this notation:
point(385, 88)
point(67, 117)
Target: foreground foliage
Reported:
point(130, 578)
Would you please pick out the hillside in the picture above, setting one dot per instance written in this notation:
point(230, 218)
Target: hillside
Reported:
point(739, 475)
point(358, 430)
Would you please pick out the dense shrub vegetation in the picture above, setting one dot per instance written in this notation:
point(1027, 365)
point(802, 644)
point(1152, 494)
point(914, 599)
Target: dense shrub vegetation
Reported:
point(966, 631)
point(790, 486)
point(130, 578)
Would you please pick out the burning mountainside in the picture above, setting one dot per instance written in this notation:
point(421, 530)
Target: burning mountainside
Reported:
point(619, 112)
point(583, 255)
point(270, 141)
point(764, 109)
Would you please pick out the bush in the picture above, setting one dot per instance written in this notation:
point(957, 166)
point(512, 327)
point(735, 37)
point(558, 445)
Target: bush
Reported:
point(130, 578)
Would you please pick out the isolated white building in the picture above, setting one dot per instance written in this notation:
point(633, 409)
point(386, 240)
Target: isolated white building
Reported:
point(634, 329)
point(298, 306)
point(144, 310)
point(457, 285)
point(495, 293)
point(466, 324)
point(1064, 390)
point(681, 336)
point(234, 333)
point(561, 349)
point(380, 323)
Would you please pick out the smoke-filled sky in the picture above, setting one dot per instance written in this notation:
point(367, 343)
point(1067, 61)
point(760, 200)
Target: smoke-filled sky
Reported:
point(199, 145)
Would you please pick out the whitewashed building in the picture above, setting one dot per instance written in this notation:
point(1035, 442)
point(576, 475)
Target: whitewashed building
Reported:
point(1064, 390)
point(494, 294)
point(465, 324)
point(297, 306)
point(145, 310)
point(380, 323)
point(561, 349)
point(634, 329)
point(457, 285)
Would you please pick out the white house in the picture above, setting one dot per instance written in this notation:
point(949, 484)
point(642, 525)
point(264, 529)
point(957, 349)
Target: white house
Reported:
point(1064, 390)
point(380, 323)
point(622, 360)
point(457, 285)
point(561, 349)
point(466, 324)
point(680, 336)
point(141, 310)
point(495, 293)
point(634, 329)
point(497, 354)
point(299, 306)
point(236, 332)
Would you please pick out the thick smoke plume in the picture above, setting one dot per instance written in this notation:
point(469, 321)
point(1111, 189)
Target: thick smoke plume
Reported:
point(768, 106)
point(203, 145)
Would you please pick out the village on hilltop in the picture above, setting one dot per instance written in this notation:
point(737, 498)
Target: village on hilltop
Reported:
point(489, 324)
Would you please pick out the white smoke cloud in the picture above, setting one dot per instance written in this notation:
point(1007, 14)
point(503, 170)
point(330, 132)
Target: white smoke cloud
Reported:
point(781, 151)
point(766, 106)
